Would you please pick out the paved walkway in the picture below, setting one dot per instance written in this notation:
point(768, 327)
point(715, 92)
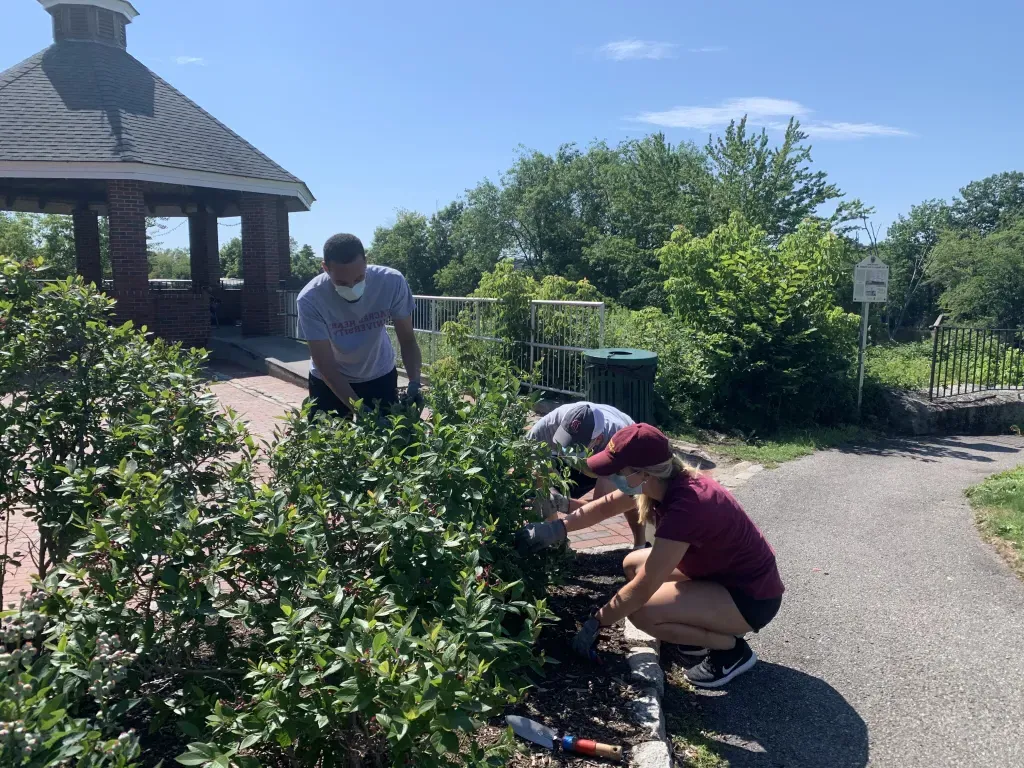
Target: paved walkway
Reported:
point(901, 637)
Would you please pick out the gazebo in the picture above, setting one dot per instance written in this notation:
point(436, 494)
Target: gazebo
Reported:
point(87, 130)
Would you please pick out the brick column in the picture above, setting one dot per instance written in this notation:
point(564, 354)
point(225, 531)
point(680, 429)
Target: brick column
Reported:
point(203, 251)
point(87, 247)
point(260, 266)
point(126, 209)
point(285, 240)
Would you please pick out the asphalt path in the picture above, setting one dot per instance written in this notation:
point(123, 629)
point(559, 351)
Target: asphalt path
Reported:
point(901, 636)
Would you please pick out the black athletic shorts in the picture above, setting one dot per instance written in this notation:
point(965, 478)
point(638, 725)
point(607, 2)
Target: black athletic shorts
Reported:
point(757, 613)
point(383, 389)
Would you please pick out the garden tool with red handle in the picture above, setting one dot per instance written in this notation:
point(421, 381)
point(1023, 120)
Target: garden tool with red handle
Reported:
point(533, 731)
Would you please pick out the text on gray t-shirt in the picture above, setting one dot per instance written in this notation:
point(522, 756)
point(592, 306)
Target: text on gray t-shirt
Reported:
point(362, 348)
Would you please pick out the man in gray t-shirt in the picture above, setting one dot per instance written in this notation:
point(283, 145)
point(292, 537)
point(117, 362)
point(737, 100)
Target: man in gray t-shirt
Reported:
point(342, 316)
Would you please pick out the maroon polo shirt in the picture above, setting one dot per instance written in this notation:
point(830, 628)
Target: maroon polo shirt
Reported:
point(725, 544)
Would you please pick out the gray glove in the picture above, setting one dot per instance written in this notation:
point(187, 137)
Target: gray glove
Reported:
point(413, 390)
point(534, 537)
point(585, 642)
point(559, 502)
point(552, 504)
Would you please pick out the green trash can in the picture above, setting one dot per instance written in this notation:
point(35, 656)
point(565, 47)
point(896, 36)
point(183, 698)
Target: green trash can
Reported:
point(623, 378)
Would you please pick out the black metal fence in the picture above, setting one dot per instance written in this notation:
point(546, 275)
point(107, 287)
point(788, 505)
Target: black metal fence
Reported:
point(966, 360)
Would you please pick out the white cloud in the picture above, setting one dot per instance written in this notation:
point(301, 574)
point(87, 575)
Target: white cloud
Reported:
point(851, 130)
point(758, 110)
point(708, 49)
point(767, 112)
point(186, 60)
point(624, 50)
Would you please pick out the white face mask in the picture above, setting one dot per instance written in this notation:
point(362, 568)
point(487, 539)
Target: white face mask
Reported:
point(353, 293)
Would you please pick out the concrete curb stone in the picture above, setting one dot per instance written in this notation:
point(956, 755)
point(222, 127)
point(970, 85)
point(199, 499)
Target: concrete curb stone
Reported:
point(646, 710)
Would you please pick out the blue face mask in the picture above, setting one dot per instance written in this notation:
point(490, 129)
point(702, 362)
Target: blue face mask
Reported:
point(623, 485)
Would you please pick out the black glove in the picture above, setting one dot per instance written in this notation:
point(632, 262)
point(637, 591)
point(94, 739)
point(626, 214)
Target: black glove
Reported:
point(534, 537)
point(585, 642)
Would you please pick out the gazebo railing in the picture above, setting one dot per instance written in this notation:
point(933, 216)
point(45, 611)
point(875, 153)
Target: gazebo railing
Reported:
point(161, 284)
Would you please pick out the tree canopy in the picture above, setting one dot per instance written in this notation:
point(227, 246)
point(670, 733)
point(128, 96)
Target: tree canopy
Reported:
point(602, 213)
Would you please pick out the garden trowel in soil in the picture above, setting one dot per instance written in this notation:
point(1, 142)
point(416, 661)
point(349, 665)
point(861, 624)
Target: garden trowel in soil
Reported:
point(533, 731)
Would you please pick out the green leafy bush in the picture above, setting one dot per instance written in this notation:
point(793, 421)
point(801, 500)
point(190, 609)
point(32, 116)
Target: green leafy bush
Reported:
point(78, 393)
point(682, 383)
point(904, 366)
point(360, 603)
point(780, 350)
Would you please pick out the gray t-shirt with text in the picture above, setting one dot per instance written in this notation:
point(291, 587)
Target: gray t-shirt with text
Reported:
point(362, 348)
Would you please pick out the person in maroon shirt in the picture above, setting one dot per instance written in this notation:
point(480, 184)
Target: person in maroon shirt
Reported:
point(710, 577)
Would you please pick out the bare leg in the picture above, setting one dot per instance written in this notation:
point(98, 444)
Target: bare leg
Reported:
point(698, 613)
point(632, 562)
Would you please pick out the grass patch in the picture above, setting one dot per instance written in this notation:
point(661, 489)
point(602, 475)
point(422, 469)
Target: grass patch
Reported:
point(999, 504)
point(786, 446)
point(694, 747)
point(903, 366)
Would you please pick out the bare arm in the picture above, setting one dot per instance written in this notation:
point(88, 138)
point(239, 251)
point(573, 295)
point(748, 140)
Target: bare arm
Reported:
point(664, 558)
point(412, 358)
point(323, 358)
point(598, 510)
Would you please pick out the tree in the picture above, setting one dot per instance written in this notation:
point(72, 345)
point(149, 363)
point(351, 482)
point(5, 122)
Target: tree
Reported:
point(18, 236)
point(982, 276)
point(231, 258)
point(987, 205)
point(403, 246)
point(773, 188)
point(781, 351)
point(477, 239)
point(618, 267)
point(907, 250)
point(170, 264)
point(305, 263)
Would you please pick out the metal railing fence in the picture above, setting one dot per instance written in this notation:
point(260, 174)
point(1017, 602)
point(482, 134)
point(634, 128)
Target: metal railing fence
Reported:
point(967, 360)
point(159, 284)
point(549, 334)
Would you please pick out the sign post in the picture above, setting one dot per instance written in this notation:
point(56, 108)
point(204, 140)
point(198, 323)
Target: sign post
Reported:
point(870, 286)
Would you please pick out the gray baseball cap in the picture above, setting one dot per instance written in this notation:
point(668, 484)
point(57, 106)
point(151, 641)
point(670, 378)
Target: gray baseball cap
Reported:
point(577, 428)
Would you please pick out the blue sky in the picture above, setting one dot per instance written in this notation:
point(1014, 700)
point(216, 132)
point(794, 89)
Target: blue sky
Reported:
point(381, 106)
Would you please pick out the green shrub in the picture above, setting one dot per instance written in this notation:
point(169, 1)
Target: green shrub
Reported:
point(77, 393)
point(359, 604)
point(903, 366)
point(779, 350)
point(682, 384)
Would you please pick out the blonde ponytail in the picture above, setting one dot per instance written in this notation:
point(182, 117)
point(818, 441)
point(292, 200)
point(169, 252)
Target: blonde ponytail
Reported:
point(667, 470)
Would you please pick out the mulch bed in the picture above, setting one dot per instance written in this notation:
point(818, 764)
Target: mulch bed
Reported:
point(576, 696)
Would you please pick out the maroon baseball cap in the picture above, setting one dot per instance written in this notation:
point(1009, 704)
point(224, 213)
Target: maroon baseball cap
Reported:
point(638, 445)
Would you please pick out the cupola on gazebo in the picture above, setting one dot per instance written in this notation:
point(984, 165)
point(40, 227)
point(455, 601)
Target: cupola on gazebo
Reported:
point(87, 130)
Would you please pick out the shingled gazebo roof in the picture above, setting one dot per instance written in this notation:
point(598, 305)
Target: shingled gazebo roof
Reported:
point(82, 110)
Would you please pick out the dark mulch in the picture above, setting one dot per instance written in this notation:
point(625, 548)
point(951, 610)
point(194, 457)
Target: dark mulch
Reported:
point(576, 696)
